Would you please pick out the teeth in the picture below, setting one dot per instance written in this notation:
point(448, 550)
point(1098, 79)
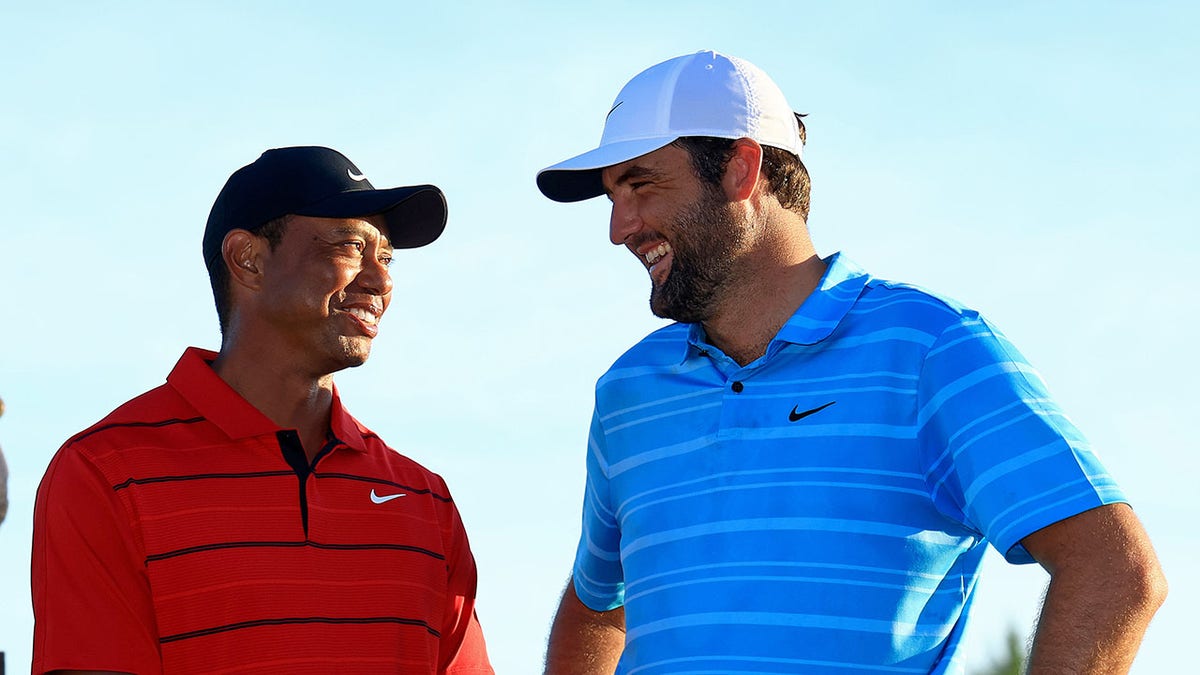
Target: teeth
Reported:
point(366, 316)
point(653, 255)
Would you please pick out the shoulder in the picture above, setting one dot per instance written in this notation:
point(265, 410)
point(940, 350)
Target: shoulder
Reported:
point(97, 453)
point(643, 368)
point(900, 303)
point(852, 307)
point(665, 347)
point(126, 442)
point(149, 418)
point(952, 340)
point(902, 313)
point(393, 465)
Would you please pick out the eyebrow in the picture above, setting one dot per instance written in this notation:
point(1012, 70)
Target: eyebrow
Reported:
point(635, 171)
point(360, 231)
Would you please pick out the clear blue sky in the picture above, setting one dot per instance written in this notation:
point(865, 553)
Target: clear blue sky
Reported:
point(1034, 160)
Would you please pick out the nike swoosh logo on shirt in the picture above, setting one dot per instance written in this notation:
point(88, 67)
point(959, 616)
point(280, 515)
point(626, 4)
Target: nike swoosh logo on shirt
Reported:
point(796, 416)
point(385, 498)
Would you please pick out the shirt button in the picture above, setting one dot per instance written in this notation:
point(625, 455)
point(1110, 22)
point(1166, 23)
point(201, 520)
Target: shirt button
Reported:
point(737, 387)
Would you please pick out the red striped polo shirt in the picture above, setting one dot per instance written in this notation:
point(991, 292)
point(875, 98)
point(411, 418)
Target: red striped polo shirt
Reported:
point(186, 532)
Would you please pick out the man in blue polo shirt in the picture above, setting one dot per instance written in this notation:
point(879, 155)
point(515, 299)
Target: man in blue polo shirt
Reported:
point(803, 472)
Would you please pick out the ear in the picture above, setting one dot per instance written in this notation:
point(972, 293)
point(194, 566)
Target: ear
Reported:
point(743, 170)
point(243, 255)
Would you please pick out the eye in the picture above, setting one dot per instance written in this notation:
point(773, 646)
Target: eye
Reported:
point(356, 245)
point(386, 259)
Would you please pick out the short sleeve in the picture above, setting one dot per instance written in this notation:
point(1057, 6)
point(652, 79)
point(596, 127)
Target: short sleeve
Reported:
point(1002, 457)
point(598, 576)
point(463, 651)
point(91, 595)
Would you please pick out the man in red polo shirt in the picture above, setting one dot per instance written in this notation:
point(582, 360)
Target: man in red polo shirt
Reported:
point(238, 517)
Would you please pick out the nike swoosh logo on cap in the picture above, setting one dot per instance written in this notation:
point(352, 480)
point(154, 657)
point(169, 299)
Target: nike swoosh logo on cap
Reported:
point(385, 498)
point(355, 176)
point(610, 111)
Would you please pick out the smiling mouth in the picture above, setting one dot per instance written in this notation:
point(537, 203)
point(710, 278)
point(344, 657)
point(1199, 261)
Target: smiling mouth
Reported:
point(655, 254)
point(367, 316)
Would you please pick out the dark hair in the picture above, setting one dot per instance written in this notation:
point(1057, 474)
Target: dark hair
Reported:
point(785, 173)
point(218, 274)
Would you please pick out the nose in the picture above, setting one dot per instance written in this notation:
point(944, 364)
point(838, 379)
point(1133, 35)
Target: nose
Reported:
point(374, 276)
point(623, 222)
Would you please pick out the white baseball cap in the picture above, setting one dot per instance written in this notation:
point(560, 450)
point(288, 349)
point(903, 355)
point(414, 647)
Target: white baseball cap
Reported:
point(701, 94)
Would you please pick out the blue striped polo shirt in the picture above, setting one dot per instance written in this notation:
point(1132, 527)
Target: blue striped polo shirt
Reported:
point(826, 507)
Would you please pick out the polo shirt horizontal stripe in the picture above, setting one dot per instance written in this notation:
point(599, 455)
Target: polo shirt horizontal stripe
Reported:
point(827, 505)
point(223, 548)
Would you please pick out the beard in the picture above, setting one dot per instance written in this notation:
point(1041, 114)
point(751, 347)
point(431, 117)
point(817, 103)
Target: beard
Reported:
point(707, 235)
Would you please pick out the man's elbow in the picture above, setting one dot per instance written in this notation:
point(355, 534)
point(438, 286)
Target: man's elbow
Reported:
point(1137, 580)
point(1148, 584)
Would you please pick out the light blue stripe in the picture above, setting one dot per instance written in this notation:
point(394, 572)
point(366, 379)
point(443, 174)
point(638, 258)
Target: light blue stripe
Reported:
point(598, 550)
point(662, 416)
point(599, 505)
point(1003, 534)
point(1009, 466)
point(1036, 515)
point(928, 537)
point(643, 371)
point(880, 374)
point(899, 335)
point(654, 403)
point(966, 382)
point(597, 455)
point(969, 337)
point(810, 663)
point(922, 589)
point(660, 453)
point(916, 479)
point(831, 392)
point(845, 623)
point(760, 486)
point(1015, 405)
point(954, 450)
point(870, 305)
point(847, 431)
point(596, 583)
point(884, 571)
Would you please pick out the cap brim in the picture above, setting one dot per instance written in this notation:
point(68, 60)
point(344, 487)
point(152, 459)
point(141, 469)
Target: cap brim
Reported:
point(578, 178)
point(415, 215)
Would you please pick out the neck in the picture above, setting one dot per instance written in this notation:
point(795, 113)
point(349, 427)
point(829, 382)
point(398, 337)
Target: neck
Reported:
point(778, 279)
point(288, 397)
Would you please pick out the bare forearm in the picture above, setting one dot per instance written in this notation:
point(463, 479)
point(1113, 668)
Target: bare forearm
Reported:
point(1090, 631)
point(584, 641)
point(1098, 607)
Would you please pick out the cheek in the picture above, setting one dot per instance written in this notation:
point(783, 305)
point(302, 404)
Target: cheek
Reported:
point(666, 212)
point(339, 276)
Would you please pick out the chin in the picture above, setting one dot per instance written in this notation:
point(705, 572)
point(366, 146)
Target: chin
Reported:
point(357, 357)
point(682, 310)
point(352, 353)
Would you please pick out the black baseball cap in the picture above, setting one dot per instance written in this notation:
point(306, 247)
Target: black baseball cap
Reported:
point(323, 183)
